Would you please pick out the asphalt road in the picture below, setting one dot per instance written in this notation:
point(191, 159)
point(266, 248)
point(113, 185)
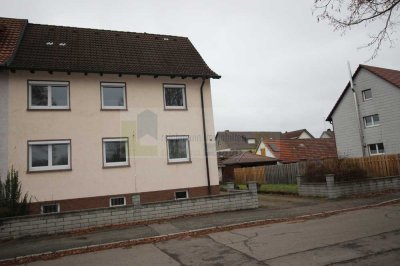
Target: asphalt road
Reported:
point(364, 237)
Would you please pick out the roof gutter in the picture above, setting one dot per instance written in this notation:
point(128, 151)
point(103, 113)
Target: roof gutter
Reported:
point(357, 111)
point(205, 137)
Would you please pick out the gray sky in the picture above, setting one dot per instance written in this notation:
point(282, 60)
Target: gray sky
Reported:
point(281, 70)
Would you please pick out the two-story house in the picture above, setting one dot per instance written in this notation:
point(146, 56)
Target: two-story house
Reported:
point(92, 117)
point(366, 119)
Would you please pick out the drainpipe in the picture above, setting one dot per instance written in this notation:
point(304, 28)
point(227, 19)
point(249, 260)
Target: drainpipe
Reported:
point(205, 137)
point(360, 124)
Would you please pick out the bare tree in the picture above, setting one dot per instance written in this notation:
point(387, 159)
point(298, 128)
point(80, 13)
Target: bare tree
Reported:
point(344, 14)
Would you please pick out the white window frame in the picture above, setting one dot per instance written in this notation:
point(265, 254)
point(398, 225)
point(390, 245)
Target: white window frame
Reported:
point(363, 95)
point(179, 160)
point(374, 124)
point(126, 163)
point(187, 194)
point(115, 85)
point(169, 107)
point(377, 149)
point(50, 167)
point(47, 84)
point(57, 204)
point(112, 206)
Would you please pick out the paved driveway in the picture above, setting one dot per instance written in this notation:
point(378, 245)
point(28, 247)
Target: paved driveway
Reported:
point(369, 236)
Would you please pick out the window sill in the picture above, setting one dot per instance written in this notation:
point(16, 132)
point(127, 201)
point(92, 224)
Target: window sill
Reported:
point(175, 109)
point(184, 162)
point(48, 110)
point(111, 109)
point(115, 166)
point(372, 126)
point(50, 170)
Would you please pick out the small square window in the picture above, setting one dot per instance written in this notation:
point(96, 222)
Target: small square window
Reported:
point(174, 97)
point(113, 96)
point(118, 201)
point(251, 141)
point(181, 195)
point(376, 149)
point(49, 155)
point(48, 95)
point(115, 152)
point(178, 149)
point(372, 120)
point(50, 208)
point(367, 94)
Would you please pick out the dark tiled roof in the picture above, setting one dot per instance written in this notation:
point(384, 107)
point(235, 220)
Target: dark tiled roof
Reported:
point(59, 48)
point(294, 150)
point(10, 34)
point(390, 75)
point(328, 132)
point(248, 158)
point(295, 134)
point(237, 140)
point(223, 155)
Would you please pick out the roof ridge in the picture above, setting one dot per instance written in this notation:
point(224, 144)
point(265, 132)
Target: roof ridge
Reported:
point(105, 30)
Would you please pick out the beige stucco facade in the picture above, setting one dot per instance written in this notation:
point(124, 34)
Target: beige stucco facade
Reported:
point(85, 125)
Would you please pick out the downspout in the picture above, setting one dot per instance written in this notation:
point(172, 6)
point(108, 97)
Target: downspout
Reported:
point(205, 137)
point(360, 125)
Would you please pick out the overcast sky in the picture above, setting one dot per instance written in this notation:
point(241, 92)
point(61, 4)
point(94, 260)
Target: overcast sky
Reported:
point(281, 70)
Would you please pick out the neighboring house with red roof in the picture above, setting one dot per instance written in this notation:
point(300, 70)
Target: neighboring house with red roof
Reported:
point(92, 118)
point(297, 134)
point(327, 134)
point(249, 140)
point(366, 121)
point(295, 150)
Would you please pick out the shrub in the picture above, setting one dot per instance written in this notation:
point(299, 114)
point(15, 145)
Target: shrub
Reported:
point(12, 202)
point(342, 169)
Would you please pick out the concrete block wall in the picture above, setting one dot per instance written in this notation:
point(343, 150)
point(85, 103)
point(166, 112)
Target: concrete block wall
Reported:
point(23, 226)
point(332, 189)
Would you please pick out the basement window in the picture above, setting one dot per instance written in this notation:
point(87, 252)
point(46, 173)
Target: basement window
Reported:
point(50, 208)
point(119, 201)
point(48, 95)
point(181, 195)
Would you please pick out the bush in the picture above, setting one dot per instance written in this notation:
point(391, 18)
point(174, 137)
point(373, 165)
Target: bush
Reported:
point(342, 169)
point(12, 203)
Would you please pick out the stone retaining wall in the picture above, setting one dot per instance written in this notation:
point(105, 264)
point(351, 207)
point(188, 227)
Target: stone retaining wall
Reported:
point(332, 189)
point(23, 226)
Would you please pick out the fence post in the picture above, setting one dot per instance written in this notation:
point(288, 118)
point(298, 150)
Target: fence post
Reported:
point(330, 186)
point(252, 186)
point(230, 186)
point(136, 200)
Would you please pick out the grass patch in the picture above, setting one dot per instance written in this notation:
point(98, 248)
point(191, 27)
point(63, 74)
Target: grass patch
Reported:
point(279, 188)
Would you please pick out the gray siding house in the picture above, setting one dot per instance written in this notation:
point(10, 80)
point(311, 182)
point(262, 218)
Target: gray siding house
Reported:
point(367, 121)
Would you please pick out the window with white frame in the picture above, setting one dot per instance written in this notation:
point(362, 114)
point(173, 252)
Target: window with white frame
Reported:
point(115, 152)
point(48, 95)
point(181, 195)
point(50, 208)
point(178, 149)
point(117, 201)
point(174, 97)
point(49, 155)
point(371, 120)
point(376, 149)
point(113, 96)
point(367, 94)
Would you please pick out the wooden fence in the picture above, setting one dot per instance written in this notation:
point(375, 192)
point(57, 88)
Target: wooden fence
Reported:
point(375, 166)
